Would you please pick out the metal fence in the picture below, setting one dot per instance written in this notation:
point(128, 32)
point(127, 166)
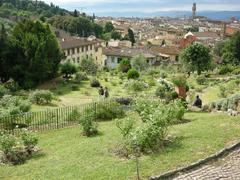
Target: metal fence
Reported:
point(50, 119)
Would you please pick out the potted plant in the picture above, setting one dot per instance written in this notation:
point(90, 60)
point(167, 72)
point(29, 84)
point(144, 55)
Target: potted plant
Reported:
point(181, 86)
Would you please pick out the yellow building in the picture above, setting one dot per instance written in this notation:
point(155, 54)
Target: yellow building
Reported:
point(75, 49)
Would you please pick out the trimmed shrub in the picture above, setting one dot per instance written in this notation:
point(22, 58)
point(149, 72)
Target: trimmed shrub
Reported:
point(226, 103)
point(75, 87)
point(95, 83)
point(81, 76)
point(133, 74)
point(103, 111)
point(225, 69)
point(136, 85)
point(124, 101)
point(201, 80)
point(41, 97)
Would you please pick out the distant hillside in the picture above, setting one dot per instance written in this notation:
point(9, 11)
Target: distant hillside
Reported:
point(219, 15)
point(12, 11)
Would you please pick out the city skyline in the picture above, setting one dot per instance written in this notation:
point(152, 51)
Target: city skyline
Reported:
point(108, 7)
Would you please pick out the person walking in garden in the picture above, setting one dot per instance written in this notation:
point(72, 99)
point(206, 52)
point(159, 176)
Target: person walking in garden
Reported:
point(106, 92)
point(101, 92)
point(198, 102)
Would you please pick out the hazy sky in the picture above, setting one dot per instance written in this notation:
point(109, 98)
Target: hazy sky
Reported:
point(145, 6)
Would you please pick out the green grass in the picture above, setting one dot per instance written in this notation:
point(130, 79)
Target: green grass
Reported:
point(68, 155)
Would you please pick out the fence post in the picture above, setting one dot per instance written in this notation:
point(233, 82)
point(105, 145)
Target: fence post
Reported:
point(57, 118)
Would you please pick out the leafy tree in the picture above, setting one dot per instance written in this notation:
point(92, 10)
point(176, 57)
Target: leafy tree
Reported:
point(87, 65)
point(125, 65)
point(131, 36)
point(98, 30)
point(116, 35)
point(139, 62)
point(196, 57)
point(231, 50)
point(4, 46)
point(68, 69)
point(109, 27)
point(34, 54)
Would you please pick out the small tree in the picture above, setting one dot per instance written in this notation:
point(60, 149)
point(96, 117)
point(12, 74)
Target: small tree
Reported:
point(131, 36)
point(116, 35)
point(109, 27)
point(87, 65)
point(196, 57)
point(68, 70)
point(139, 62)
point(133, 74)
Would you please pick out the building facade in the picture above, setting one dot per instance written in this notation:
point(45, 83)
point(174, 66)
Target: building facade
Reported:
point(76, 49)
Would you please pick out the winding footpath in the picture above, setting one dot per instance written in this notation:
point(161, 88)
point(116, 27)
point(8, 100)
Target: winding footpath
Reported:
point(226, 168)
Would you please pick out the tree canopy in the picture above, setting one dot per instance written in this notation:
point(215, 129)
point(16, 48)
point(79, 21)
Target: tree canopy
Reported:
point(108, 27)
point(230, 53)
point(196, 57)
point(131, 36)
point(68, 69)
point(33, 54)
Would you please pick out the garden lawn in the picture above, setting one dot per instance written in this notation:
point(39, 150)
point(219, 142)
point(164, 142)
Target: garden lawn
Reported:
point(68, 155)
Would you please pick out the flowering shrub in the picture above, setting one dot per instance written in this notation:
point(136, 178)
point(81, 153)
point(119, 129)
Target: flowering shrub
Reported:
point(17, 149)
point(30, 140)
point(41, 97)
point(136, 85)
point(156, 119)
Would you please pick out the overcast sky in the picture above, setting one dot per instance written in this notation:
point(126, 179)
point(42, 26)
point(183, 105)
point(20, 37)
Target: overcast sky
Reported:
point(145, 6)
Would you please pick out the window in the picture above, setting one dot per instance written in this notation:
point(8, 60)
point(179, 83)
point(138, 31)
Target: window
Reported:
point(78, 60)
point(73, 60)
point(78, 50)
point(112, 60)
point(87, 56)
point(91, 54)
point(91, 47)
point(83, 49)
point(68, 51)
point(96, 49)
point(73, 51)
point(86, 48)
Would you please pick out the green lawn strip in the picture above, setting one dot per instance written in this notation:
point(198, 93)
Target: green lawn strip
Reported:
point(68, 155)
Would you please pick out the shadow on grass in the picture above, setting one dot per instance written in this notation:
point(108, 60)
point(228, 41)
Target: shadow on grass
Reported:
point(38, 155)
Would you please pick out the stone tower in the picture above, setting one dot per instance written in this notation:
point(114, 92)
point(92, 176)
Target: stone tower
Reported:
point(194, 9)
